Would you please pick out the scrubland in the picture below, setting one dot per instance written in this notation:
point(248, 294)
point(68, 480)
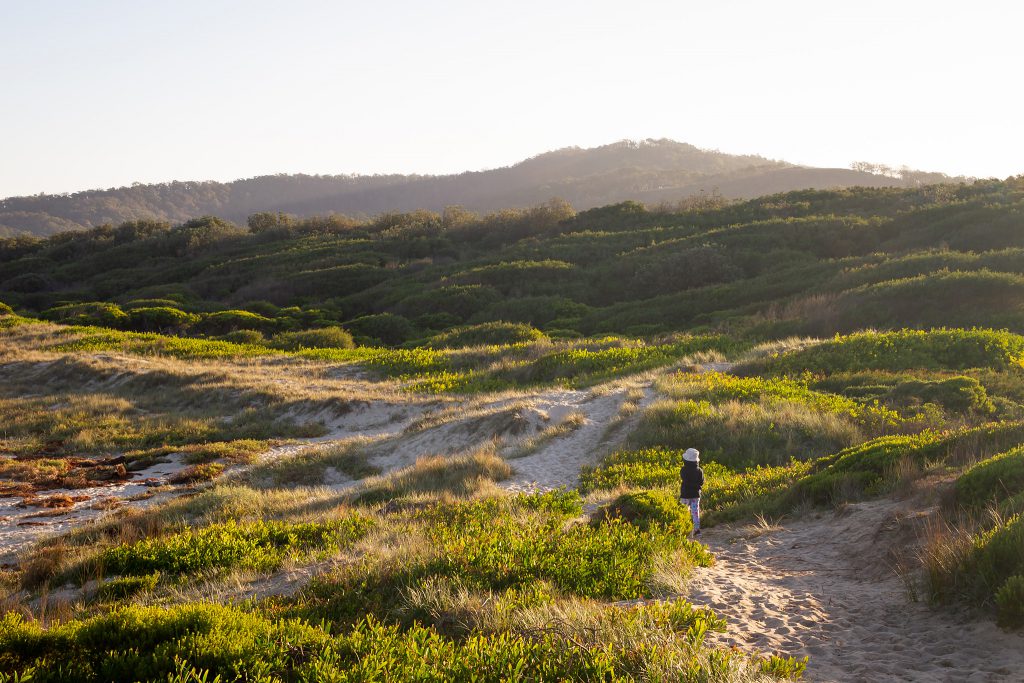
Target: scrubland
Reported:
point(450, 471)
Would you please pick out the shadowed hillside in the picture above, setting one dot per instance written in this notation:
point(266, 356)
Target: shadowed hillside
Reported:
point(650, 171)
point(810, 262)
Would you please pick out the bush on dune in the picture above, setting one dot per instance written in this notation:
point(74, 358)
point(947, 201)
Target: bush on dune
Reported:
point(485, 334)
point(959, 395)
point(323, 338)
point(159, 319)
point(996, 479)
point(95, 313)
point(943, 349)
point(243, 337)
point(259, 545)
point(985, 569)
point(384, 328)
point(871, 466)
point(647, 508)
point(1010, 602)
point(938, 299)
point(613, 560)
point(741, 434)
point(222, 322)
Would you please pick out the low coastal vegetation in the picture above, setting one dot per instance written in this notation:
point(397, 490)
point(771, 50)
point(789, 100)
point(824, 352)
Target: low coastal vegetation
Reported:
point(820, 426)
point(261, 553)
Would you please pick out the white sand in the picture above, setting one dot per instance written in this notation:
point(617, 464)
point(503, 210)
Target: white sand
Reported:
point(823, 587)
point(557, 463)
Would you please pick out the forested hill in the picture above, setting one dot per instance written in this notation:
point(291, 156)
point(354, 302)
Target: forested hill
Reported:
point(651, 171)
point(809, 262)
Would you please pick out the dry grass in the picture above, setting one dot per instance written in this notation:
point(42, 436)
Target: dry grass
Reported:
point(464, 475)
point(818, 310)
point(478, 407)
point(746, 432)
point(627, 412)
point(284, 382)
point(531, 445)
point(671, 574)
point(777, 347)
point(761, 526)
point(903, 474)
point(316, 465)
point(947, 542)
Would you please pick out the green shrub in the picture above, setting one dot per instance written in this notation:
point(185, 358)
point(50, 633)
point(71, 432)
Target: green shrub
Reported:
point(323, 338)
point(730, 495)
point(95, 313)
point(960, 299)
point(460, 301)
point(159, 318)
point(870, 466)
point(1010, 602)
point(485, 334)
point(243, 337)
point(903, 350)
point(644, 468)
point(407, 362)
point(97, 339)
point(998, 555)
point(493, 551)
point(727, 495)
point(383, 328)
point(201, 642)
point(585, 365)
point(784, 667)
point(150, 303)
point(993, 480)
point(534, 310)
point(435, 321)
point(259, 545)
point(196, 473)
point(647, 508)
point(5, 309)
point(516, 278)
point(717, 387)
point(127, 586)
point(264, 308)
point(222, 322)
point(959, 394)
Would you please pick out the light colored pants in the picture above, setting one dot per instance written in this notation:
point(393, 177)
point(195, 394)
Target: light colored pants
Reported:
point(694, 505)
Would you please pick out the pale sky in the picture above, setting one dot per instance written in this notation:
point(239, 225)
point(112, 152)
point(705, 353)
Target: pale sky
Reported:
point(97, 94)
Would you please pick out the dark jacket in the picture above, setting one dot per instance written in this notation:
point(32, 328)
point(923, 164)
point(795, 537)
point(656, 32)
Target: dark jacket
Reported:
point(693, 479)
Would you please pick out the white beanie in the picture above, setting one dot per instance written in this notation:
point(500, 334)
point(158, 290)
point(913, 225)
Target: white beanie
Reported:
point(691, 455)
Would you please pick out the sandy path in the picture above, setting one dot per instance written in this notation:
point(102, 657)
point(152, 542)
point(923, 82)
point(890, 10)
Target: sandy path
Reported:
point(822, 588)
point(558, 462)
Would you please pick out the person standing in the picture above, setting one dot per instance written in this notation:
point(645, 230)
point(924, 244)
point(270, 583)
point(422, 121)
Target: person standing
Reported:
point(692, 477)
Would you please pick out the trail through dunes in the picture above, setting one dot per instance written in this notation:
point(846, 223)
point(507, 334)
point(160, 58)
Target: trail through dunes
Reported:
point(825, 587)
point(602, 427)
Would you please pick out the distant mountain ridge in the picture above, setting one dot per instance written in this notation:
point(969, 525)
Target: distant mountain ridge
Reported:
point(647, 171)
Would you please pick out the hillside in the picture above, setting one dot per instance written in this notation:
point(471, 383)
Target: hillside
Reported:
point(811, 262)
point(651, 171)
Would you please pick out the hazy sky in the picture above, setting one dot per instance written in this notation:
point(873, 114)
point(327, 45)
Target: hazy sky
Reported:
point(105, 93)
